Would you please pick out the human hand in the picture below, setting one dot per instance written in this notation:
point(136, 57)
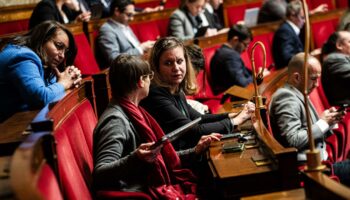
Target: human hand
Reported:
point(320, 9)
point(332, 116)
point(205, 141)
point(245, 114)
point(145, 153)
point(84, 17)
point(210, 32)
point(145, 46)
point(70, 77)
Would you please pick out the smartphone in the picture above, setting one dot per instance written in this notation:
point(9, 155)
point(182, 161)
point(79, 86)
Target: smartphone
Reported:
point(232, 147)
point(343, 107)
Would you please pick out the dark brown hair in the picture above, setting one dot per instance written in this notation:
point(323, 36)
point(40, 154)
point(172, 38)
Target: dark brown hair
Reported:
point(125, 72)
point(36, 38)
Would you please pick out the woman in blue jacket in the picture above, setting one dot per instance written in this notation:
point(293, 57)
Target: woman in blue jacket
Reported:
point(33, 68)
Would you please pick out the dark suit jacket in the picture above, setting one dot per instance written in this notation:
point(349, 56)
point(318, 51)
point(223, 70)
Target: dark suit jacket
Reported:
point(286, 43)
point(47, 10)
point(227, 69)
point(173, 111)
point(336, 78)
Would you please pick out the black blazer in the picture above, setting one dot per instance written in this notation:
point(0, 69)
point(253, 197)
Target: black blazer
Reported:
point(286, 43)
point(172, 111)
point(47, 10)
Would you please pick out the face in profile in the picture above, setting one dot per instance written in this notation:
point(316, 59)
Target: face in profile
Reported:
point(314, 74)
point(344, 42)
point(55, 48)
point(172, 66)
point(128, 14)
point(195, 8)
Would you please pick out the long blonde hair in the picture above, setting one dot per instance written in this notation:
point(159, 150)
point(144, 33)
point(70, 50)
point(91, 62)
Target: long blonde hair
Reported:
point(188, 85)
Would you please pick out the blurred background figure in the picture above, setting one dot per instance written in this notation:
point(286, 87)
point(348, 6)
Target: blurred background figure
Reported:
point(63, 11)
point(116, 37)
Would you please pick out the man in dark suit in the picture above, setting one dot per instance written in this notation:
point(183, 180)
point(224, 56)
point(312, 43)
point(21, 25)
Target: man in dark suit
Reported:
point(226, 66)
point(288, 116)
point(286, 41)
point(336, 68)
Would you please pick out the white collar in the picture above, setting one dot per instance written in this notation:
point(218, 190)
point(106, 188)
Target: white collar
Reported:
point(209, 8)
point(294, 27)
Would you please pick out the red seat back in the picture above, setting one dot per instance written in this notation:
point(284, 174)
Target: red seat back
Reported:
point(152, 32)
point(14, 26)
point(342, 3)
point(85, 59)
point(47, 183)
point(75, 162)
point(172, 4)
point(322, 30)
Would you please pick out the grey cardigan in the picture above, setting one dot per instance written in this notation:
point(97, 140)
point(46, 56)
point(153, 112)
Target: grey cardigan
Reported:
point(116, 165)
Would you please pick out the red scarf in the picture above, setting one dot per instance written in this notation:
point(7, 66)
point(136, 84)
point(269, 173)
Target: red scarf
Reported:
point(167, 180)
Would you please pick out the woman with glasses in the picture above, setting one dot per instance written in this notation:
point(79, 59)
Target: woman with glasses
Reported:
point(173, 79)
point(123, 155)
point(35, 68)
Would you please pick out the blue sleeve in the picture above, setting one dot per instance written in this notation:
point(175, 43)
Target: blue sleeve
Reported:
point(27, 76)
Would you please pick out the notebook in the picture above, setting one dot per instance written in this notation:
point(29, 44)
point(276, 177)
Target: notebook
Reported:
point(176, 133)
point(251, 17)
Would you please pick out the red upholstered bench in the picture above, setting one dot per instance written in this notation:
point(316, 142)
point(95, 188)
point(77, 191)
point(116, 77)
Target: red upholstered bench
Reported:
point(72, 121)
point(323, 25)
point(85, 59)
point(151, 26)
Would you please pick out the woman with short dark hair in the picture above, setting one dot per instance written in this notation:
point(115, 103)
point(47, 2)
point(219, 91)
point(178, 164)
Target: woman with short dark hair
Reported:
point(33, 68)
point(123, 155)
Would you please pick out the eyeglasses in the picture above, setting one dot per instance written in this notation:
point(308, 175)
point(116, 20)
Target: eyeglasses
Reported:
point(60, 47)
point(129, 15)
point(150, 75)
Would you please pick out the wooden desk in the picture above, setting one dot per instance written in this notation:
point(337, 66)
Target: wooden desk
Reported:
point(14, 130)
point(5, 187)
point(297, 194)
point(237, 175)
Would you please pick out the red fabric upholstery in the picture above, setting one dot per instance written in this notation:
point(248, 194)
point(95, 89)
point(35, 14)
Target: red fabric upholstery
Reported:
point(14, 26)
point(172, 4)
point(151, 4)
point(342, 3)
point(163, 27)
point(266, 39)
point(146, 31)
point(236, 13)
point(85, 59)
point(47, 183)
point(122, 195)
point(74, 153)
point(322, 30)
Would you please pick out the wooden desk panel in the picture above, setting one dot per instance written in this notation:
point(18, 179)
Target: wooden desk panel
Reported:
point(230, 165)
point(297, 194)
